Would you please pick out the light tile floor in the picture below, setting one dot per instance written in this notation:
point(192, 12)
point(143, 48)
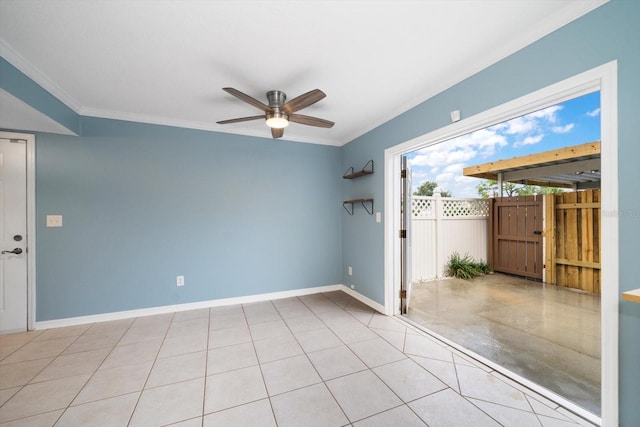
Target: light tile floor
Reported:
point(317, 360)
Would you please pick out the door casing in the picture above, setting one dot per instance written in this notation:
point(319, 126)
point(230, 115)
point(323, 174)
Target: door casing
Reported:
point(602, 78)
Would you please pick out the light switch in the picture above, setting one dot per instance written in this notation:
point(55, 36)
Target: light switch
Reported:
point(378, 216)
point(54, 220)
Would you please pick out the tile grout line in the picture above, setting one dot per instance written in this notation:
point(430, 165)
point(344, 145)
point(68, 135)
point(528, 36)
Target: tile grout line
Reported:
point(64, 410)
point(400, 398)
point(255, 351)
point(402, 402)
point(173, 315)
point(206, 366)
point(92, 374)
point(306, 355)
point(21, 345)
point(367, 368)
point(45, 367)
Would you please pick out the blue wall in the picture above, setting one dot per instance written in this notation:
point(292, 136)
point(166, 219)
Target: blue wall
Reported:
point(144, 203)
point(608, 33)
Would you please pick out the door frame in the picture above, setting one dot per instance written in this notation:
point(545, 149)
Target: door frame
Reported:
point(31, 222)
point(602, 78)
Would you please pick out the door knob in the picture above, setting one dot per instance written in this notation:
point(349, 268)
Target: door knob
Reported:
point(16, 251)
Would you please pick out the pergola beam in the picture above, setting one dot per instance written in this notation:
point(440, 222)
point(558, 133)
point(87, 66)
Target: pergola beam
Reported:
point(562, 155)
point(557, 169)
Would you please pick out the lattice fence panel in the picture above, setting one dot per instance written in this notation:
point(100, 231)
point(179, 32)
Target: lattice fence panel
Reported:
point(465, 208)
point(423, 208)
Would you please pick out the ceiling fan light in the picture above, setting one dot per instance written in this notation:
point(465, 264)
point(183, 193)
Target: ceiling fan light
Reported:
point(277, 120)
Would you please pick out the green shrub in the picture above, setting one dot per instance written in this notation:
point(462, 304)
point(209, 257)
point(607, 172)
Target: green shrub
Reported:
point(484, 267)
point(465, 267)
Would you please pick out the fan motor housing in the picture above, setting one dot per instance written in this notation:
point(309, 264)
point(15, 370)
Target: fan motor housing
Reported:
point(276, 98)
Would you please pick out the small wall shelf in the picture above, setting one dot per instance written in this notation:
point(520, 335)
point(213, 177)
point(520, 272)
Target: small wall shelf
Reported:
point(349, 203)
point(366, 170)
point(633, 296)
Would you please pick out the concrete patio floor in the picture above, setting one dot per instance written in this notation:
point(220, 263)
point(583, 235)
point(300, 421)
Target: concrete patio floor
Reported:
point(547, 334)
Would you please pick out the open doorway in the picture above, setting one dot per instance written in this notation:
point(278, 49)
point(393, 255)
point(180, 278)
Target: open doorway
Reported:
point(493, 239)
point(589, 82)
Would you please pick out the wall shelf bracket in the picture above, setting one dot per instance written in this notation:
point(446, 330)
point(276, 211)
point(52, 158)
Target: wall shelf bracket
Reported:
point(367, 204)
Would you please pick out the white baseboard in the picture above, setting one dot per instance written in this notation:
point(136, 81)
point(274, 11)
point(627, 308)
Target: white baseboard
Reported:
point(368, 301)
point(82, 320)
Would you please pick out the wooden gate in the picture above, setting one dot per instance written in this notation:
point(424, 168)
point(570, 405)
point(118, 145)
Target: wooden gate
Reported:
point(573, 240)
point(515, 227)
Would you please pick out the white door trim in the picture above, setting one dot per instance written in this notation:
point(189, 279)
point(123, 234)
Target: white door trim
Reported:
point(31, 222)
point(602, 78)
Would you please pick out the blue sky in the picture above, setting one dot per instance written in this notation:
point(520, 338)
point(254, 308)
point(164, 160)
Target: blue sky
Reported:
point(573, 122)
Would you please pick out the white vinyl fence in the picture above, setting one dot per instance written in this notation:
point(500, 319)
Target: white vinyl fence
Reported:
point(443, 225)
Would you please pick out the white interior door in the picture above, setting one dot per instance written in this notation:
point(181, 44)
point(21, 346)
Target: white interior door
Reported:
point(13, 238)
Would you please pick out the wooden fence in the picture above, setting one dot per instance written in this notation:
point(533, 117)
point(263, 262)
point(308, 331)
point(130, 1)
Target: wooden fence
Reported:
point(572, 244)
point(515, 235)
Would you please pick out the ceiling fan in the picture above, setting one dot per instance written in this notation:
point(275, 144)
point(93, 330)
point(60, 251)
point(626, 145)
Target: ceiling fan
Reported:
point(278, 114)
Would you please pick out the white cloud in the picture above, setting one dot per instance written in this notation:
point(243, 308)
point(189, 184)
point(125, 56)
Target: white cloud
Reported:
point(450, 177)
point(443, 179)
point(456, 167)
point(442, 154)
point(562, 129)
point(443, 163)
point(594, 113)
point(548, 114)
point(461, 149)
point(530, 122)
point(520, 125)
point(529, 140)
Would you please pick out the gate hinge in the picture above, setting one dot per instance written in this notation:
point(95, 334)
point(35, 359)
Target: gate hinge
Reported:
point(403, 294)
point(403, 234)
point(403, 174)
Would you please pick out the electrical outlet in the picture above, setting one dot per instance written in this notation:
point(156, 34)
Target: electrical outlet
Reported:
point(353, 286)
point(350, 271)
point(179, 280)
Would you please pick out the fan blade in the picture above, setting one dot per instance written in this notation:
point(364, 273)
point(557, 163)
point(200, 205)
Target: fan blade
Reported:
point(277, 133)
point(248, 99)
point(303, 101)
point(310, 121)
point(241, 119)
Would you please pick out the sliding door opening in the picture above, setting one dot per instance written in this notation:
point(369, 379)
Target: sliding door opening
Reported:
point(541, 287)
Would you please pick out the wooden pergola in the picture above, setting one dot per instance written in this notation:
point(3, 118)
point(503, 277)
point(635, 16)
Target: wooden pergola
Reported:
point(576, 167)
point(571, 229)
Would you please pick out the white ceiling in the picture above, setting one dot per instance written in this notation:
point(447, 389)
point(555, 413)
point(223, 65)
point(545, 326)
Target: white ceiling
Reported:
point(166, 62)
